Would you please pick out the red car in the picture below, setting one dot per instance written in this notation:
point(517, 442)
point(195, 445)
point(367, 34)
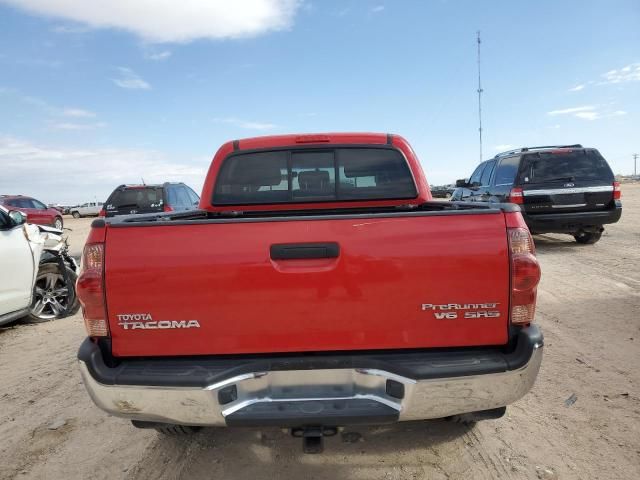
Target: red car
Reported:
point(318, 285)
point(36, 211)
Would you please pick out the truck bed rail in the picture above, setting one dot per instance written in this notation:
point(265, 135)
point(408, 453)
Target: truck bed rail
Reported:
point(434, 208)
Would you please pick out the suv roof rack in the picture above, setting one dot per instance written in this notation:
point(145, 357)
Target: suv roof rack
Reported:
point(528, 149)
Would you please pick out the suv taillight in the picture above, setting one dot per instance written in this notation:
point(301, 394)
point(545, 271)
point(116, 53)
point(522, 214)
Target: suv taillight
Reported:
point(167, 208)
point(617, 192)
point(102, 213)
point(90, 290)
point(525, 275)
point(516, 195)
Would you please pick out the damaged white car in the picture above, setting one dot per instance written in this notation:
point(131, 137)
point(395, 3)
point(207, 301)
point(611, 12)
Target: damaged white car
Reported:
point(37, 275)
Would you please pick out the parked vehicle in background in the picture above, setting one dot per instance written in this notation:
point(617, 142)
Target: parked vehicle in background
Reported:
point(296, 296)
point(90, 209)
point(442, 191)
point(36, 211)
point(20, 250)
point(59, 208)
point(561, 189)
point(137, 199)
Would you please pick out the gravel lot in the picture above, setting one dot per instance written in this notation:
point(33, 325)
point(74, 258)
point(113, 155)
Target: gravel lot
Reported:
point(589, 309)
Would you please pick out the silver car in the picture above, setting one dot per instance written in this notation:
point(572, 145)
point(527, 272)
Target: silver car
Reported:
point(90, 209)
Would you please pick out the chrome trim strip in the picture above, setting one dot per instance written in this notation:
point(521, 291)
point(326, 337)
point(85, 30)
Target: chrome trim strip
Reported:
point(570, 206)
point(560, 191)
point(232, 380)
point(423, 399)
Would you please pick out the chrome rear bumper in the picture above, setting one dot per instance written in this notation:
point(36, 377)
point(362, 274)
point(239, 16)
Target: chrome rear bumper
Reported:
point(335, 396)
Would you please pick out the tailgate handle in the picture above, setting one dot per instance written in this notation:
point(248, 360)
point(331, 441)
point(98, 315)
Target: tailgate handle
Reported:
point(294, 251)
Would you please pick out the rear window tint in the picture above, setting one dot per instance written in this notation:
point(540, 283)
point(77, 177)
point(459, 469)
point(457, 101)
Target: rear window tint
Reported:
point(567, 166)
point(486, 174)
point(506, 171)
point(314, 176)
point(477, 173)
point(193, 196)
point(136, 197)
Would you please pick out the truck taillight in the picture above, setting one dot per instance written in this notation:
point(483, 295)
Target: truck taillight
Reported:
point(90, 289)
point(525, 275)
point(617, 192)
point(516, 195)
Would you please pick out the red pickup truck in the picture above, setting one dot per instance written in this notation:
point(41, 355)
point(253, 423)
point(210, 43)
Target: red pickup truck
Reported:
point(318, 285)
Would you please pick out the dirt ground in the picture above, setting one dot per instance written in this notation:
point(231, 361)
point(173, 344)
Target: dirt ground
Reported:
point(589, 310)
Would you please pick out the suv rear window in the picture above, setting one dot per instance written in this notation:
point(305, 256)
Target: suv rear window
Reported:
point(321, 175)
point(566, 166)
point(140, 197)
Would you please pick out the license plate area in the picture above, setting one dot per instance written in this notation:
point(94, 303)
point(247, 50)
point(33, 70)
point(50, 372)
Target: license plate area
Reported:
point(568, 199)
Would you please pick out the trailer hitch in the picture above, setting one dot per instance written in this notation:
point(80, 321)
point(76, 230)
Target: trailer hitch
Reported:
point(313, 437)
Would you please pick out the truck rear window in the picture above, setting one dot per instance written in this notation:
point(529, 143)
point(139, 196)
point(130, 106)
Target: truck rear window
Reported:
point(323, 175)
point(565, 166)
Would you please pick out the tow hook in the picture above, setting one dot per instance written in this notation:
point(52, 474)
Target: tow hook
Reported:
point(313, 437)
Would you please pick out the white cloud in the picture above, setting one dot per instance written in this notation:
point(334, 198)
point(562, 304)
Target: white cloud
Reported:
point(249, 125)
point(130, 79)
point(77, 113)
point(587, 115)
point(172, 21)
point(588, 112)
point(574, 110)
point(377, 9)
point(88, 172)
point(577, 88)
point(159, 56)
point(630, 73)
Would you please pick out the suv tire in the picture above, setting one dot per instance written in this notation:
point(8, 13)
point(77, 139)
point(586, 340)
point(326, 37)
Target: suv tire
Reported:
point(587, 238)
point(75, 214)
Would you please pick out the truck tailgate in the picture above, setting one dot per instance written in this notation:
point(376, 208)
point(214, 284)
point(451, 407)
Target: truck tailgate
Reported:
point(212, 287)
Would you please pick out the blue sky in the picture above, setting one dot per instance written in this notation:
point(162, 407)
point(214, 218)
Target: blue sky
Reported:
point(94, 94)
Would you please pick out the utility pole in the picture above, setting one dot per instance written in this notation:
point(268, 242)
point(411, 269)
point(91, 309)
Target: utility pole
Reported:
point(635, 158)
point(479, 98)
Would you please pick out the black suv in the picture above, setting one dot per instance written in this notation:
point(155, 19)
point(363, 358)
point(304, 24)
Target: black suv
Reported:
point(561, 189)
point(167, 197)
